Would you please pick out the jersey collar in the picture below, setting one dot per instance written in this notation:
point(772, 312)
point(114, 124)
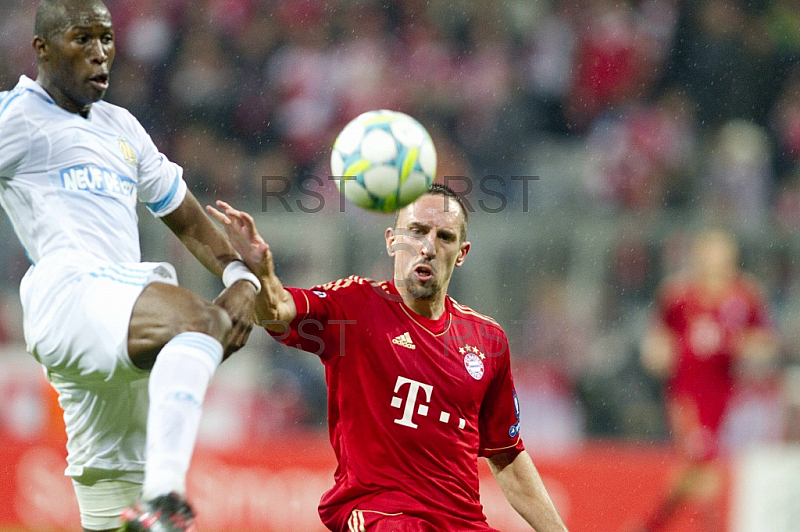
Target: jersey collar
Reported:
point(28, 84)
point(436, 327)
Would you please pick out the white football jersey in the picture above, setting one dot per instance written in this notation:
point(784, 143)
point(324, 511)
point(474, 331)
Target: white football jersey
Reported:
point(70, 183)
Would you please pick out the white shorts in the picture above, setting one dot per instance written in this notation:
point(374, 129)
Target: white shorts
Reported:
point(76, 317)
point(102, 503)
point(77, 314)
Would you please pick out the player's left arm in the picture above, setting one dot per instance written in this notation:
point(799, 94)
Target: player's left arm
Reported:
point(502, 446)
point(523, 487)
point(203, 238)
point(757, 343)
point(275, 306)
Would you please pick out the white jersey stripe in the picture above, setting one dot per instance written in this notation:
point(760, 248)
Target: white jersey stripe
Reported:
point(123, 271)
point(118, 279)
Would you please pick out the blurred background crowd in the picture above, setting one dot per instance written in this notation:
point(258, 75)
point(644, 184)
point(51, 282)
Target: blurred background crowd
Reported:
point(634, 123)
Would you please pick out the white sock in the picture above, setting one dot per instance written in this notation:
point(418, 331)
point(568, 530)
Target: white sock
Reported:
point(178, 383)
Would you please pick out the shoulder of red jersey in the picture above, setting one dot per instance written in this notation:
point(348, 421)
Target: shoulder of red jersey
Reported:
point(466, 312)
point(352, 283)
point(346, 282)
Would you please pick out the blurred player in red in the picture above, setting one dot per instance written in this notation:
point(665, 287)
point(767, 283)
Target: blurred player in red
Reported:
point(710, 323)
point(419, 386)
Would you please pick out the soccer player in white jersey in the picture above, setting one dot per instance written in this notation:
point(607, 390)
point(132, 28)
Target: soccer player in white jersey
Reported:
point(108, 329)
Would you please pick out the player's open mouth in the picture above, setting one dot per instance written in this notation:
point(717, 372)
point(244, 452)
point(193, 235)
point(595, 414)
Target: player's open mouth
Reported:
point(100, 81)
point(424, 273)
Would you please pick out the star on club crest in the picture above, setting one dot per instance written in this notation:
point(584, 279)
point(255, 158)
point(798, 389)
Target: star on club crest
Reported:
point(471, 349)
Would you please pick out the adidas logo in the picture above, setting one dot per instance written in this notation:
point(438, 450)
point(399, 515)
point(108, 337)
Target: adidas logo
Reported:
point(404, 340)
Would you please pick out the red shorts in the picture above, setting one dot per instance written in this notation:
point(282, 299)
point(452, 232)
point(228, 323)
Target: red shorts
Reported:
point(372, 521)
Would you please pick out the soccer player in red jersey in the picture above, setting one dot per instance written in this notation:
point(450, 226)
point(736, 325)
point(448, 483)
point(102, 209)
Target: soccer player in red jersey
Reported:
point(708, 324)
point(419, 386)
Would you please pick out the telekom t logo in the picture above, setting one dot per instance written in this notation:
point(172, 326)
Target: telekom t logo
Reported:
point(411, 404)
point(411, 400)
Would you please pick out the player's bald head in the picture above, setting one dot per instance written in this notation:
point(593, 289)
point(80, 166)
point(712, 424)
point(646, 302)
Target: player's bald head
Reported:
point(56, 16)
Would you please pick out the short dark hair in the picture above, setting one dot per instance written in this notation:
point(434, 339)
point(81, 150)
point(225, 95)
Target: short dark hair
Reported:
point(52, 16)
point(49, 18)
point(437, 189)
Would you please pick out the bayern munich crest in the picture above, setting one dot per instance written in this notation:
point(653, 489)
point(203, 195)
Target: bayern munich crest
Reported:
point(473, 361)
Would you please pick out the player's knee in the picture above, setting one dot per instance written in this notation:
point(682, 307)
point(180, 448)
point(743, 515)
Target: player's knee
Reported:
point(207, 319)
point(214, 321)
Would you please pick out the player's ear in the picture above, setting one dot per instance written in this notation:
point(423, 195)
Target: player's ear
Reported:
point(462, 253)
point(40, 47)
point(390, 236)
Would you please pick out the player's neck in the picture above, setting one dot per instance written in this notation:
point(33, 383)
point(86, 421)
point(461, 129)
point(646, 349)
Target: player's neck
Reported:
point(715, 285)
point(431, 308)
point(61, 99)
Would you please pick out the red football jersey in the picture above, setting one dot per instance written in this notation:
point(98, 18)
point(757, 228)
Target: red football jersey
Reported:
point(412, 402)
point(706, 333)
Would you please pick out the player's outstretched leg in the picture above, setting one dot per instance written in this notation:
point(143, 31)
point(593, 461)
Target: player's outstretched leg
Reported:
point(165, 513)
point(182, 338)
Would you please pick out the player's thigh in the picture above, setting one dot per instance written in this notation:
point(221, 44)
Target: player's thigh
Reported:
point(79, 331)
point(101, 503)
point(683, 415)
point(372, 521)
point(696, 440)
point(162, 311)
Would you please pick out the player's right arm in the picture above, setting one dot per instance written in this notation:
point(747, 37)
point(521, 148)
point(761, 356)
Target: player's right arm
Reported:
point(523, 487)
point(15, 138)
point(659, 346)
point(275, 307)
point(658, 351)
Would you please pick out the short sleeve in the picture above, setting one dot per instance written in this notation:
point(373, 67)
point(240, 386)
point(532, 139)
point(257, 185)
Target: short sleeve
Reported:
point(14, 136)
point(499, 421)
point(161, 184)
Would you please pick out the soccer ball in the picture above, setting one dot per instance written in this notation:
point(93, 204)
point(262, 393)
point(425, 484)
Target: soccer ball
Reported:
point(383, 160)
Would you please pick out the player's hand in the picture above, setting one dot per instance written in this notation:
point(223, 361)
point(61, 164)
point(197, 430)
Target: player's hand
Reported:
point(659, 352)
point(244, 237)
point(238, 300)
